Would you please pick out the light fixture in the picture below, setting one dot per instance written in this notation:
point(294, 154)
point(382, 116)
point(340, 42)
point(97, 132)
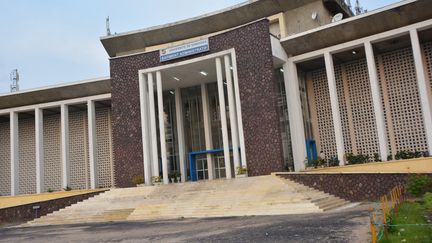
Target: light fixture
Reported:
point(225, 83)
point(176, 79)
point(354, 52)
point(231, 67)
point(204, 73)
point(171, 92)
point(281, 69)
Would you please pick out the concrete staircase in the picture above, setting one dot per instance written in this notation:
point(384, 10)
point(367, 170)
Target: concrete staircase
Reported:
point(264, 195)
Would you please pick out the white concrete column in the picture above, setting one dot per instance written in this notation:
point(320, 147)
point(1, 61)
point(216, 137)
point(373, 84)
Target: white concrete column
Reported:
point(239, 112)
point(337, 123)
point(207, 129)
point(295, 114)
point(376, 98)
point(223, 118)
point(180, 134)
point(64, 114)
point(39, 141)
point(232, 112)
point(91, 116)
point(162, 127)
point(14, 150)
point(423, 86)
point(145, 129)
point(153, 129)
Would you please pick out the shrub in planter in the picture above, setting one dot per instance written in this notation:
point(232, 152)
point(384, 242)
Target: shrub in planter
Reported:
point(417, 185)
point(138, 180)
point(377, 157)
point(333, 161)
point(241, 170)
point(404, 154)
point(357, 159)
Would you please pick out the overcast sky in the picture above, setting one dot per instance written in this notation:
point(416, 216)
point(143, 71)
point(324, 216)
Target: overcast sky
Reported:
point(52, 42)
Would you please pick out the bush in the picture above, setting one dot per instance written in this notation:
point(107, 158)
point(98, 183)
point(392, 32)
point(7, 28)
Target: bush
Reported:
point(377, 157)
point(137, 180)
point(418, 185)
point(357, 159)
point(408, 155)
point(427, 198)
point(333, 161)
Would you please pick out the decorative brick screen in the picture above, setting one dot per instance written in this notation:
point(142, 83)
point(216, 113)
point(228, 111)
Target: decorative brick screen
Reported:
point(52, 153)
point(4, 159)
point(27, 155)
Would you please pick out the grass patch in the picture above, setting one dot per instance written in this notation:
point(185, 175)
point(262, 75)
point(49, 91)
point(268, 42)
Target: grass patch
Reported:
point(409, 213)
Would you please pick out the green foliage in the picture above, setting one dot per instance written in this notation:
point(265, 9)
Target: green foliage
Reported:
point(333, 161)
point(390, 157)
point(137, 180)
point(377, 157)
point(156, 179)
point(408, 214)
point(67, 188)
point(241, 170)
point(357, 159)
point(417, 185)
point(427, 199)
point(404, 154)
point(50, 190)
point(174, 175)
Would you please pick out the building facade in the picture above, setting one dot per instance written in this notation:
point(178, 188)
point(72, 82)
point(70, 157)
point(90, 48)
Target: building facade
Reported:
point(265, 85)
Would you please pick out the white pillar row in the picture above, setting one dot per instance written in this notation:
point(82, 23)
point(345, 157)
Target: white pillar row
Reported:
point(64, 114)
point(153, 129)
point(423, 86)
point(145, 129)
point(14, 150)
point(337, 123)
point(162, 127)
point(376, 98)
point(232, 112)
point(91, 116)
point(295, 113)
point(239, 112)
point(39, 141)
point(180, 133)
point(223, 118)
point(207, 129)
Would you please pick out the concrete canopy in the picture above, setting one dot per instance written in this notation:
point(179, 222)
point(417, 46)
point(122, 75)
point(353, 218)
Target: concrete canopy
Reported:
point(56, 93)
point(381, 20)
point(209, 23)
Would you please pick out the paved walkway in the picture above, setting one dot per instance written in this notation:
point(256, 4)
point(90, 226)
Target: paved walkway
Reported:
point(350, 225)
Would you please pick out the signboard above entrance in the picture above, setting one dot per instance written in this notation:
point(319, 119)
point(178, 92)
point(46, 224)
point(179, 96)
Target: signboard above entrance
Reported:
point(184, 50)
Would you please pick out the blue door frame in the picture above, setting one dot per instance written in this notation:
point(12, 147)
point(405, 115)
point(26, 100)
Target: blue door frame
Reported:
point(192, 164)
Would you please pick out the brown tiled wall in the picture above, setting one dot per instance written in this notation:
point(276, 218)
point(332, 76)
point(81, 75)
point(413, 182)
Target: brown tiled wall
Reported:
point(258, 96)
point(26, 212)
point(352, 187)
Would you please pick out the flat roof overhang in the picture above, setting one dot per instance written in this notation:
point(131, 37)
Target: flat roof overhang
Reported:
point(374, 22)
point(56, 93)
point(205, 24)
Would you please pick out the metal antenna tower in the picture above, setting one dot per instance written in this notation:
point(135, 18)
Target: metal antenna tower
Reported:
point(108, 26)
point(14, 77)
point(358, 9)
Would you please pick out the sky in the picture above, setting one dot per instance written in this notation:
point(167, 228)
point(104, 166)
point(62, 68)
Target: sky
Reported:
point(52, 42)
